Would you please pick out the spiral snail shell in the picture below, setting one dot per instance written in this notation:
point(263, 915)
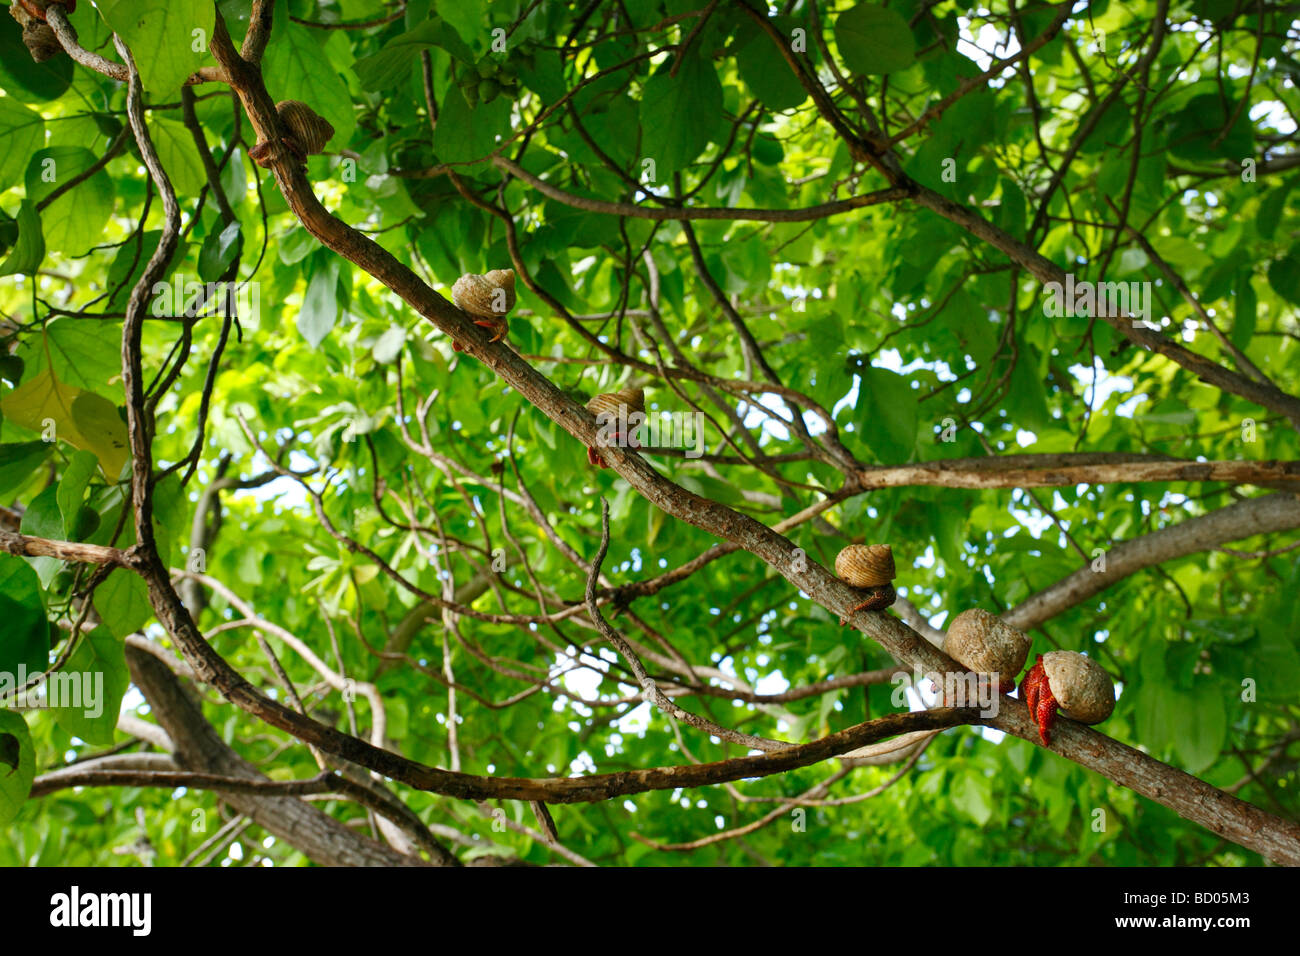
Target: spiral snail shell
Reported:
point(489, 296)
point(866, 565)
point(307, 133)
point(305, 125)
point(622, 402)
point(615, 408)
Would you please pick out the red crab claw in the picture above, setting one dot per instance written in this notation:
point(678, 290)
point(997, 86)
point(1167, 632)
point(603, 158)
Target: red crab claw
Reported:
point(1036, 692)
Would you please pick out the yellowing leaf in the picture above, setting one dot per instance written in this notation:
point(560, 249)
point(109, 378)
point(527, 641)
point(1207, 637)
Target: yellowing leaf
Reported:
point(82, 419)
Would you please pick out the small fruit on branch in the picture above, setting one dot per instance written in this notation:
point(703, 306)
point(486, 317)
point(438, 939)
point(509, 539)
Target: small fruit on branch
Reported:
point(488, 298)
point(984, 643)
point(1069, 680)
point(867, 566)
point(308, 133)
point(616, 408)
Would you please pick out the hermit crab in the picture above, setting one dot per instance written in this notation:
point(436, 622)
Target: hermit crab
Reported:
point(1069, 680)
point(488, 298)
point(308, 133)
point(621, 411)
point(868, 566)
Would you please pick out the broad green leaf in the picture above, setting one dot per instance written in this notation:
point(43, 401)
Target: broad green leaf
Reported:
point(83, 419)
point(320, 304)
point(163, 36)
point(680, 115)
point(874, 39)
point(296, 68)
point(219, 250)
point(29, 250)
point(122, 602)
point(25, 637)
point(465, 134)
point(1200, 725)
point(19, 461)
point(765, 71)
point(22, 131)
point(178, 153)
point(393, 62)
point(1284, 277)
point(75, 221)
point(24, 78)
point(72, 489)
point(81, 352)
point(17, 762)
point(88, 689)
point(389, 345)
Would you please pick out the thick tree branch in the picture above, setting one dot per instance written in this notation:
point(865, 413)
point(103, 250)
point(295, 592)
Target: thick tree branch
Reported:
point(1232, 523)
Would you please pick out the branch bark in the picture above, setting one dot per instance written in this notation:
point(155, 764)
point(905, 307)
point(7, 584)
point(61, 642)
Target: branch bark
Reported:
point(1232, 523)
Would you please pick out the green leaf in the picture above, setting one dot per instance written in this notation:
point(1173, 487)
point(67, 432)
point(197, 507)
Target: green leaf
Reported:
point(320, 303)
point(1245, 310)
point(1270, 210)
point(83, 419)
point(24, 78)
point(123, 603)
point(219, 250)
point(19, 461)
point(74, 222)
point(90, 686)
point(80, 352)
point(25, 637)
point(17, 762)
point(886, 415)
point(42, 519)
point(463, 133)
point(22, 131)
point(680, 115)
point(1197, 131)
point(765, 71)
point(161, 35)
point(972, 794)
point(873, 39)
point(72, 489)
point(1276, 666)
point(29, 250)
point(178, 153)
point(1284, 277)
point(1200, 724)
point(392, 64)
point(389, 345)
point(296, 68)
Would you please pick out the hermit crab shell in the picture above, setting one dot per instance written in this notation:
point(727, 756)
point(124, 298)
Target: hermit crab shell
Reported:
point(40, 40)
point(1081, 686)
point(985, 644)
point(489, 296)
point(623, 402)
point(310, 130)
point(866, 565)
